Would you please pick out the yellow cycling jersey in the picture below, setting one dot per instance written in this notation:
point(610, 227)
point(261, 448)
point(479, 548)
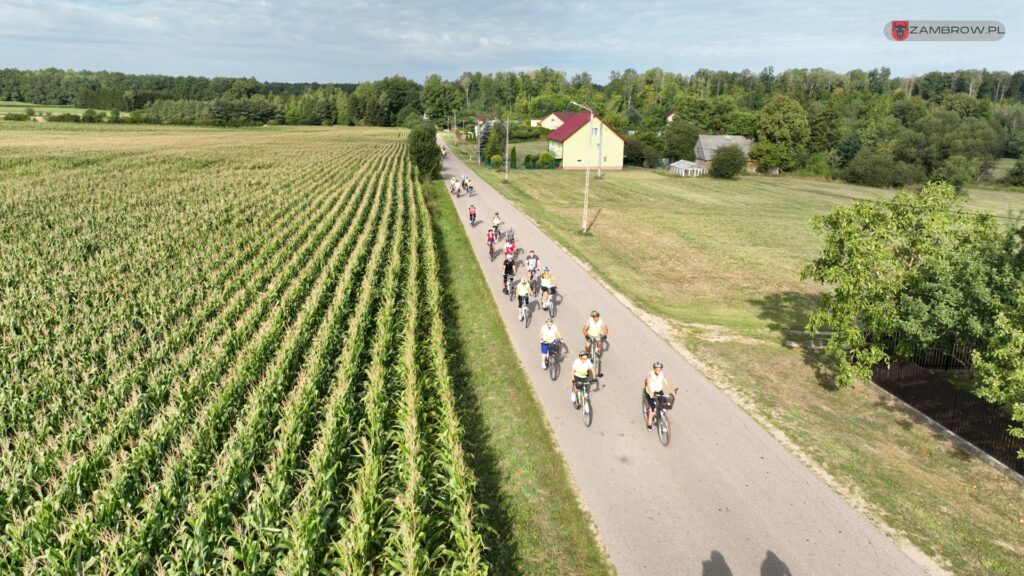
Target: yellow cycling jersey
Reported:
point(581, 369)
point(548, 335)
point(595, 329)
point(522, 289)
point(547, 280)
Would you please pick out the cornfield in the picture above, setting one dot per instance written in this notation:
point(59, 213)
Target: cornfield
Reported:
point(223, 352)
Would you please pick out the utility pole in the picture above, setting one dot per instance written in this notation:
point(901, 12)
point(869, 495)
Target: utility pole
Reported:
point(507, 120)
point(590, 151)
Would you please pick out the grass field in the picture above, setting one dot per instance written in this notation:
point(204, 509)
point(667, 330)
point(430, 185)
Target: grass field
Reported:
point(723, 260)
point(7, 107)
point(220, 355)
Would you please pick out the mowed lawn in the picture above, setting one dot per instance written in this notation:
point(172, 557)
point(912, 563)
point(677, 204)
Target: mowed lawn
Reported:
point(720, 262)
point(8, 107)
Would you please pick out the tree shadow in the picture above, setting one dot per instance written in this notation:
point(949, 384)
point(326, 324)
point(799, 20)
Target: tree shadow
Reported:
point(787, 314)
point(716, 566)
point(502, 551)
point(774, 566)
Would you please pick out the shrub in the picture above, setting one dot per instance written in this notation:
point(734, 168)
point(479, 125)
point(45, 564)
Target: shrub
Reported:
point(65, 117)
point(496, 160)
point(1016, 175)
point(728, 161)
point(17, 117)
point(530, 161)
point(881, 170)
point(958, 171)
point(512, 158)
point(545, 160)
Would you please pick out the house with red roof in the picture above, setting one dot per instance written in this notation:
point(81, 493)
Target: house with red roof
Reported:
point(552, 121)
point(584, 139)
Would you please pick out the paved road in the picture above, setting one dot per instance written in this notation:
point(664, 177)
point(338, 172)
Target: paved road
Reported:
point(725, 498)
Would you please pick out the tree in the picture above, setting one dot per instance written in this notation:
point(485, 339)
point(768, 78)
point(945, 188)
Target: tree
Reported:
point(466, 81)
point(907, 274)
point(424, 151)
point(512, 158)
point(783, 124)
point(1000, 365)
point(728, 161)
point(1016, 175)
point(496, 161)
point(680, 137)
point(881, 170)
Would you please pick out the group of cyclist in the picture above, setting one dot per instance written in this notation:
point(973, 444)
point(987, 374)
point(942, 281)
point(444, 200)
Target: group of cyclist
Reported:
point(458, 186)
point(595, 330)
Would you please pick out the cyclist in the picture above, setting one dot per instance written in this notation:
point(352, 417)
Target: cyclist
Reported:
point(510, 247)
point(511, 235)
point(532, 265)
point(547, 287)
point(472, 215)
point(548, 335)
point(523, 293)
point(656, 383)
point(595, 330)
point(491, 239)
point(496, 222)
point(508, 271)
point(453, 184)
point(469, 186)
point(582, 372)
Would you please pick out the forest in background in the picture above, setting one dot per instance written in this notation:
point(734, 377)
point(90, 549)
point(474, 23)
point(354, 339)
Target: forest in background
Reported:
point(865, 127)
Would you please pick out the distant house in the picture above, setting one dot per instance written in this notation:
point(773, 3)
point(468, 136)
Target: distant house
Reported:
point(552, 121)
point(707, 144)
point(569, 144)
point(686, 168)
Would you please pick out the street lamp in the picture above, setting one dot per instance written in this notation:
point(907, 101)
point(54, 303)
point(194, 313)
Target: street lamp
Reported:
point(590, 148)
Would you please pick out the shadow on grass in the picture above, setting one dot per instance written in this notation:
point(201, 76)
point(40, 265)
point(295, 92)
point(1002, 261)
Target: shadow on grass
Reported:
point(787, 314)
point(502, 553)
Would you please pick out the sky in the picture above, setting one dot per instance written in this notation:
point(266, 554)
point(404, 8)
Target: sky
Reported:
point(357, 40)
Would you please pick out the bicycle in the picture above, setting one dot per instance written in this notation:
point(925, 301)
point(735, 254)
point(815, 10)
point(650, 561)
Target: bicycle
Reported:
point(553, 359)
point(582, 400)
point(525, 311)
point(508, 287)
point(662, 404)
point(595, 352)
point(551, 302)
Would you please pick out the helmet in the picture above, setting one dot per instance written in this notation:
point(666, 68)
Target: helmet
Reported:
point(546, 269)
point(658, 365)
point(584, 353)
point(523, 280)
point(594, 313)
point(549, 321)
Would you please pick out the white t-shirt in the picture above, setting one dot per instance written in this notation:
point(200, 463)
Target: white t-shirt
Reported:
point(656, 381)
point(548, 334)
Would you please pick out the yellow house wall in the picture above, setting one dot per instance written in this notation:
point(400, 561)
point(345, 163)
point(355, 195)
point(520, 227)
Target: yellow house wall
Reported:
point(574, 149)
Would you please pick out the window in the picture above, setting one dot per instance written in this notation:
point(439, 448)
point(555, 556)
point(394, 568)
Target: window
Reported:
point(593, 131)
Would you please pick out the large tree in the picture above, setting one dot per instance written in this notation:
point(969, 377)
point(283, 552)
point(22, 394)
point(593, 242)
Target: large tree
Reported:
point(680, 138)
point(783, 128)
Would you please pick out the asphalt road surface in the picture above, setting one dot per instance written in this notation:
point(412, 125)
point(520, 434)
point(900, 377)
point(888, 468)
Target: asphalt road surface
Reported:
point(724, 498)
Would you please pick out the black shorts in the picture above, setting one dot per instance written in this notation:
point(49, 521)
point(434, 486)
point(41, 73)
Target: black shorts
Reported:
point(523, 300)
point(579, 382)
point(544, 289)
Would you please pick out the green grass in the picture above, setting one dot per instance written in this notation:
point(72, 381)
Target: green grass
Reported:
point(537, 525)
point(7, 107)
point(535, 147)
point(724, 270)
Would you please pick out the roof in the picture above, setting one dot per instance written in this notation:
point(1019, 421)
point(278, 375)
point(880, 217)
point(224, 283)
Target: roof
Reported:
point(573, 123)
point(708, 143)
point(685, 164)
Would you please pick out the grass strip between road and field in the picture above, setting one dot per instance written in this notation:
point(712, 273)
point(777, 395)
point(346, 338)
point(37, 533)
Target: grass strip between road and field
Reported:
point(534, 522)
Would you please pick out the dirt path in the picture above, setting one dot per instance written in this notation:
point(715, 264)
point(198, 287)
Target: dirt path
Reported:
point(725, 497)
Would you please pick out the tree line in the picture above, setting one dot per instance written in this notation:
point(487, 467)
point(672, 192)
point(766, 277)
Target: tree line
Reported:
point(862, 126)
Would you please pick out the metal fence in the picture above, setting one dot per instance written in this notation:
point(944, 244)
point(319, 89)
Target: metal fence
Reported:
point(925, 382)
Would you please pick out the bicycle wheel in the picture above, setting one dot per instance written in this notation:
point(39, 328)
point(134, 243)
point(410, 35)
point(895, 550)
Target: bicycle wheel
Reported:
point(588, 411)
point(553, 366)
point(664, 430)
point(526, 314)
point(597, 360)
point(551, 307)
